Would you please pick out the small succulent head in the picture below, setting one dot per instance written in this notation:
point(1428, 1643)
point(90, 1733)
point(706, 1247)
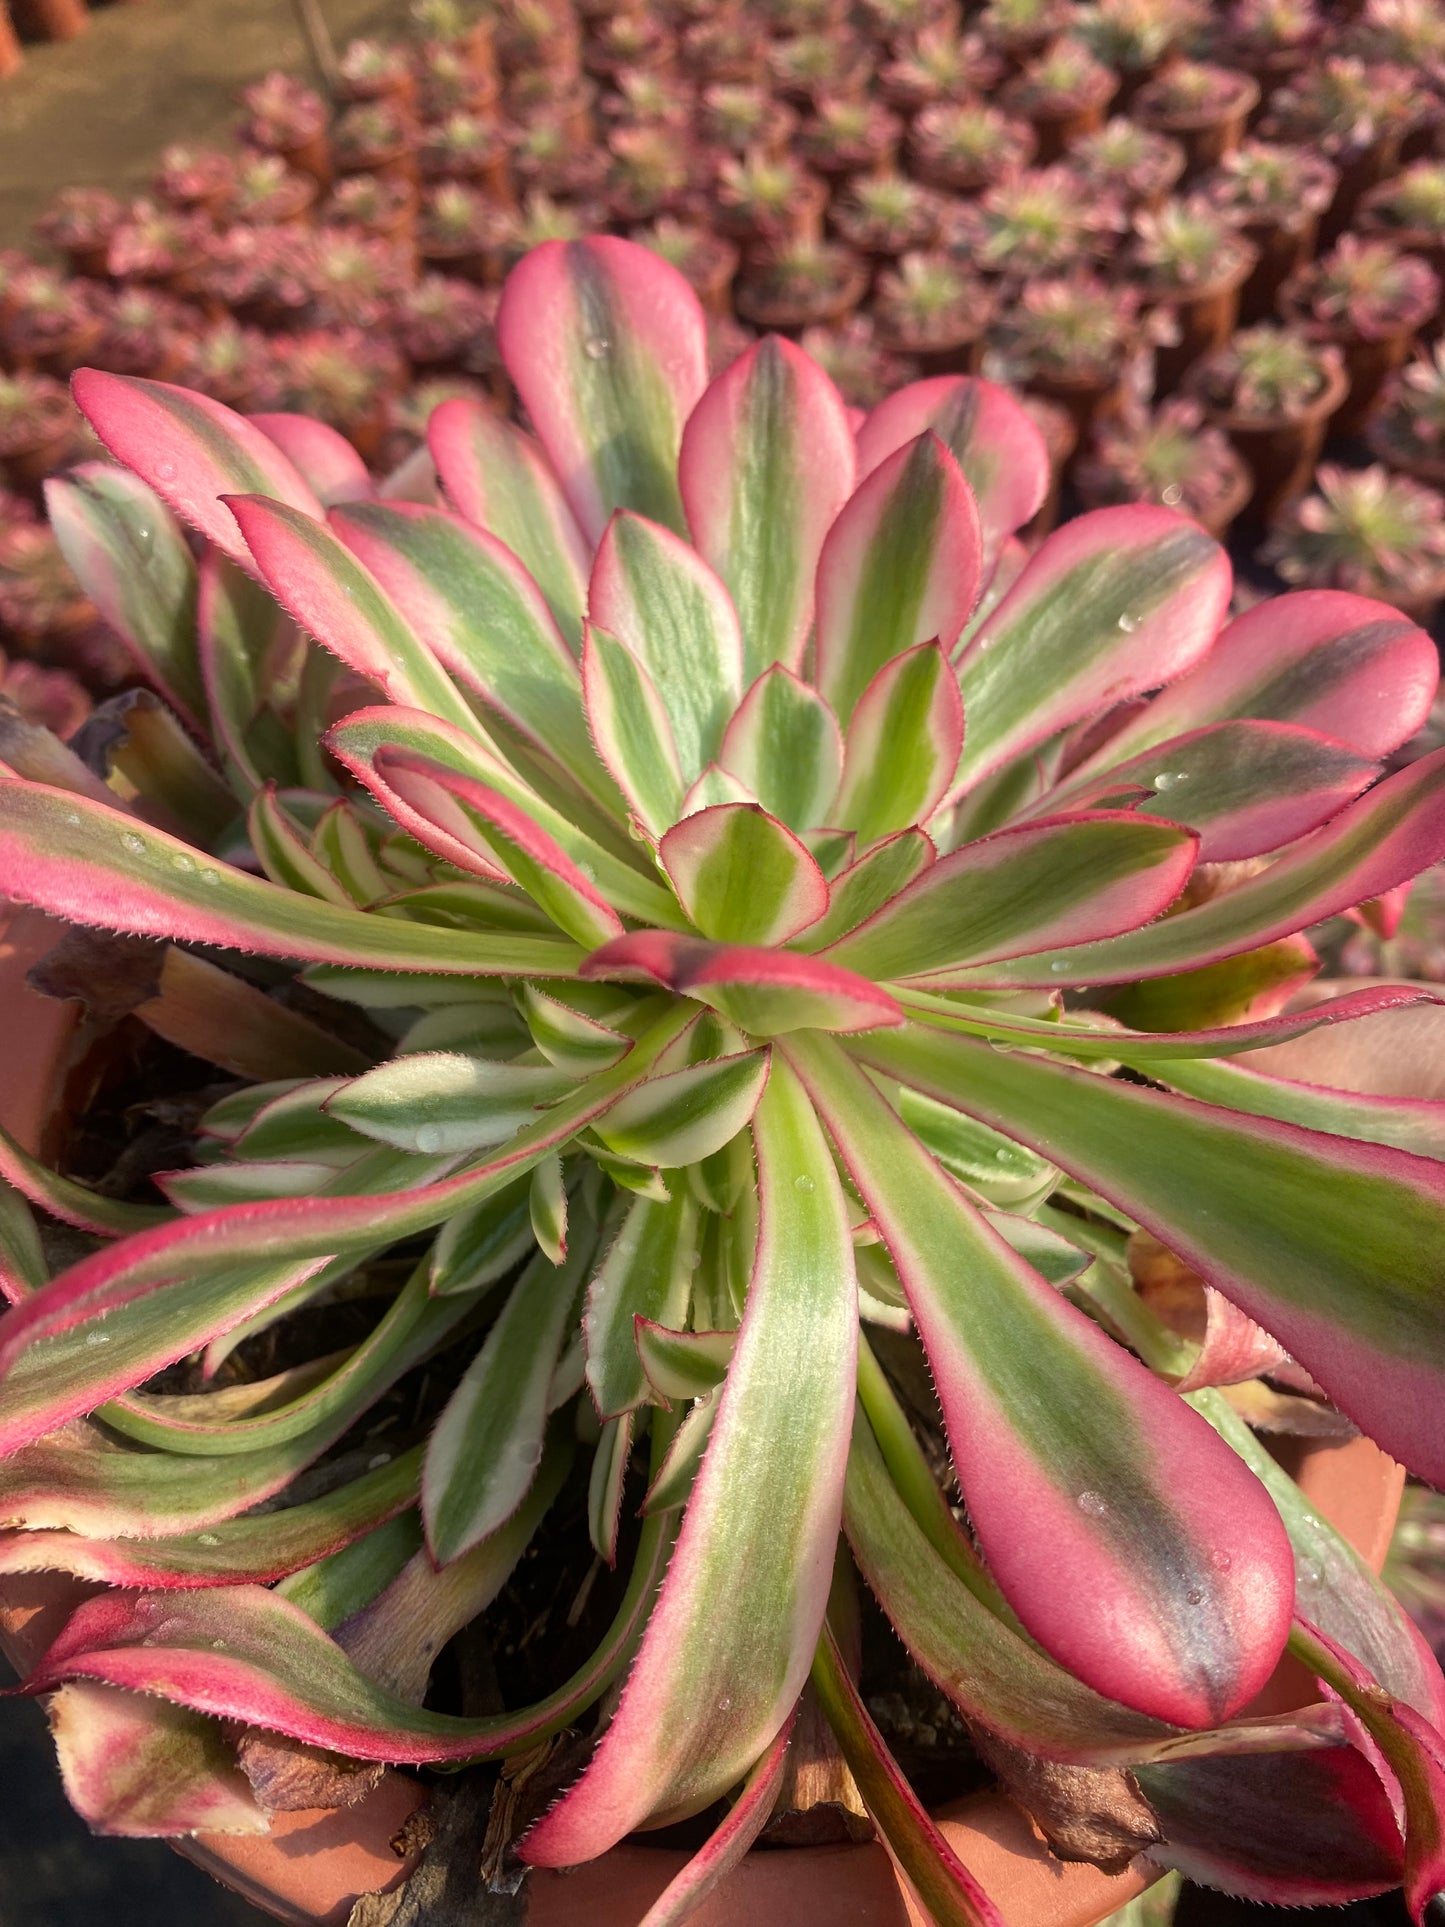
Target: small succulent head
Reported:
point(1364, 530)
point(650, 168)
point(1265, 373)
point(885, 213)
point(1270, 184)
point(540, 219)
point(848, 127)
point(154, 241)
point(649, 97)
point(143, 328)
point(371, 128)
point(801, 270)
point(1134, 35)
point(1413, 201)
point(1193, 88)
point(1065, 77)
point(191, 176)
point(1170, 457)
point(282, 112)
point(1345, 105)
point(1017, 24)
point(447, 22)
point(353, 279)
point(1074, 326)
point(80, 217)
point(1365, 287)
point(853, 359)
point(969, 143)
point(339, 375)
point(1043, 221)
point(39, 595)
point(367, 201)
point(1409, 425)
point(374, 66)
point(462, 139)
point(760, 192)
point(228, 361)
point(1189, 244)
point(734, 114)
point(453, 214)
point(930, 300)
point(48, 308)
point(448, 79)
point(940, 63)
point(807, 65)
point(264, 188)
point(1274, 26)
point(34, 409)
point(1408, 33)
point(441, 318)
point(1127, 160)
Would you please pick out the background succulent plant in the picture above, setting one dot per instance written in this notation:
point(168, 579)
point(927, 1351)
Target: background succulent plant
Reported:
point(726, 989)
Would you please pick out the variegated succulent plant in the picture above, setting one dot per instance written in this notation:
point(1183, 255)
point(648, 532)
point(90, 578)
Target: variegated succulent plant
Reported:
point(757, 869)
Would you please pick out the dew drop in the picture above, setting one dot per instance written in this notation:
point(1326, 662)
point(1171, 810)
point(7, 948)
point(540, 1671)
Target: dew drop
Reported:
point(130, 841)
point(1220, 1559)
point(210, 876)
point(803, 1183)
point(429, 1137)
point(218, 1645)
point(595, 347)
point(208, 1538)
point(183, 862)
point(381, 1459)
point(71, 817)
point(1059, 966)
point(1170, 779)
point(1003, 1154)
point(1093, 1503)
point(1171, 496)
point(165, 469)
point(1128, 624)
point(724, 1704)
point(1195, 1596)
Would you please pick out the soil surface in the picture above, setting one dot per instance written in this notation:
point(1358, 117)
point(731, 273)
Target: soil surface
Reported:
point(98, 110)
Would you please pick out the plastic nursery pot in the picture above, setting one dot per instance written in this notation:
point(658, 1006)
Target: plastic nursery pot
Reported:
point(1280, 451)
point(1369, 363)
point(313, 1866)
point(1205, 320)
point(1086, 397)
point(1358, 175)
point(789, 314)
point(1282, 248)
point(1206, 134)
point(1057, 132)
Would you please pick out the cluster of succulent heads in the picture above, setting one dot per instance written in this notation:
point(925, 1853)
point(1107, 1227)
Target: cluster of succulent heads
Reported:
point(683, 885)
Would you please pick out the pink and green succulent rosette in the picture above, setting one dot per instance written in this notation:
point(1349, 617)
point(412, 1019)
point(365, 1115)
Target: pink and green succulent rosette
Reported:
point(772, 947)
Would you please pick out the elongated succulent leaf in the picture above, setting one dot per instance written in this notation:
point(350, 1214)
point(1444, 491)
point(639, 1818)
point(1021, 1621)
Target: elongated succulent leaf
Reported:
point(1112, 604)
point(607, 347)
point(784, 746)
point(903, 745)
point(645, 1276)
point(1392, 832)
point(498, 478)
point(684, 1115)
point(767, 462)
point(1345, 1286)
point(192, 451)
point(741, 876)
point(866, 885)
point(902, 564)
point(992, 438)
point(443, 1102)
point(631, 728)
point(1062, 1440)
point(655, 593)
point(1416, 1125)
point(764, 991)
point(132, 560)
point(1009, 892)
point(710, 1688)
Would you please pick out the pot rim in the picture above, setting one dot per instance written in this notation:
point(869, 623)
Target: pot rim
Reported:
point(313, 1866)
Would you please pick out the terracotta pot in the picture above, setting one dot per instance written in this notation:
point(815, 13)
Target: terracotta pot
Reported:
point(312, 1867)
point(1207, 136)
point(394, 163)
point(1357, 176)
point(1205, 320)
point(1282, 249)
point(783, 315)
point(311, 157)
point(52, 19)
point(1058, 130)
point(1281, 453)
point(1085, 398)
point(11, 58)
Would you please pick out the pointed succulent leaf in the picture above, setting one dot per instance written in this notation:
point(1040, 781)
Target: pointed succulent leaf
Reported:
point(320, 454)
point(1410, 1124)
point(683, 1364)
point(135, 1768)
point(755, 1507)
point(476, 1248)
point(130, 557)
point(784, 746)
point(1010, 892)
point(903, 745)
point(1343, 1286)
point(360, 738)
point(482, 616)
point(569, 1038)
point(233, 1552)
point(437, 1102)
point(94, 865)
point(992, 438)
point(604, 1487)
point(547, 1207)
point(470, 813)
point(496, 476)
point(729, 1840)
point(282, 853)
point(901, 565)
point(238, 624)
point(680, 1116)
point(631, 728)
point(655, 593)
point(947, 1889)
point(485, 1448)
point(1392, 832)
point(69, 1200)
point(1353, 669)
point(1246, 787)
point(646, 1275)
point(1112, 604)
point(741, 876)
point(1061, 1439)
point(675, 1477)
point(762, 991)
point(339, 602)
point(607, 347)
point(767, 462)
point(192, 451)
point(877, 876)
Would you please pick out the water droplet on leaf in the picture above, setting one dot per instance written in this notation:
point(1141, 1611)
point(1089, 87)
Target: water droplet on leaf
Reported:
point(803, 1183)
point(1171, 496)
point(210, 876)
point(1194, 1596)
point(179, 862)
point(1094, 1504)
point(1170, 779)
point(130, 841)
point(595, 347)
point(165, 469)
point(1128, 624)
point(208, 1538)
